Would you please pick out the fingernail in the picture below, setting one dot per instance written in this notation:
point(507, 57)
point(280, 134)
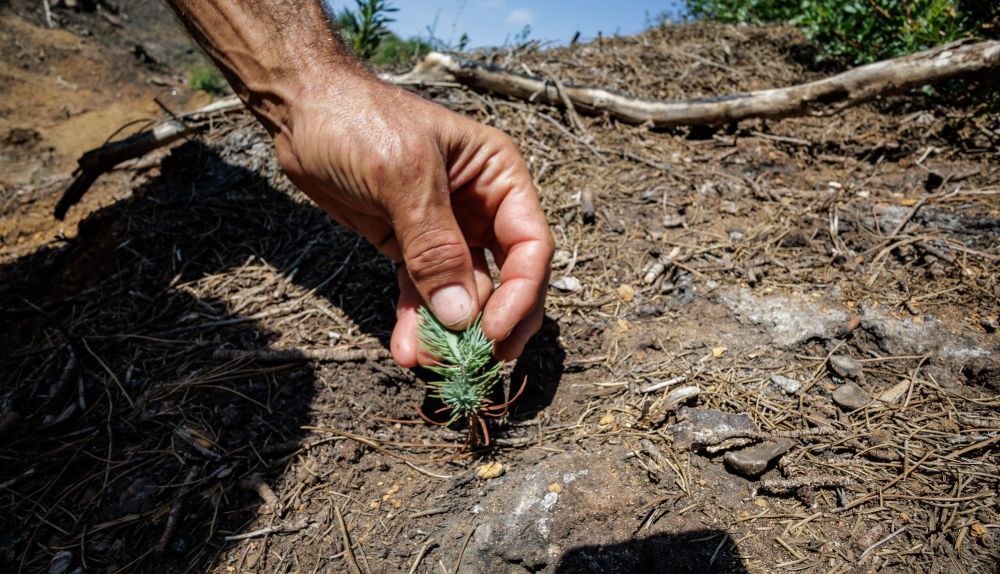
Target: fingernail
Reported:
point(451, 305)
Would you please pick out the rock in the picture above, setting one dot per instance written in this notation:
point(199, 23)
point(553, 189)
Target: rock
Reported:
point(60, 562)
point(567, 284)
point(983, 371)
point(681, 394)
point(673, 220)
point(754, 460)
point(697, 426)
point(790, 386)
point(990, 324)
point(850, 396)
point(790, 321)
point(846, 366)
point(532, 517)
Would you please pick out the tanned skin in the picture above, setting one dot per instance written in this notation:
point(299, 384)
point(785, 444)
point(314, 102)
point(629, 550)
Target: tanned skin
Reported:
point(427, 187)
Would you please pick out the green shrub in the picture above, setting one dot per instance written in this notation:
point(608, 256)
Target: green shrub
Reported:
point(206, 78)
point(861, 31)
point(364, 27)
point(394, 51)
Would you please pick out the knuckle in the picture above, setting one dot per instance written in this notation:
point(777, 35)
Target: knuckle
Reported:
point(434, 254)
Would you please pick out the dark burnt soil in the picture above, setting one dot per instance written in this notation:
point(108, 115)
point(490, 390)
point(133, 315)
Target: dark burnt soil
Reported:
point(133, 440)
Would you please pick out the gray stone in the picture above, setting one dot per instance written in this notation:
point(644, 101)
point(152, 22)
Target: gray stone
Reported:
point(790, 386)
point(701, 426)
point(522, 522)
point(846, 366)
point(567, 284)
point(673, 220)
point(790, 321)
point(754, 460)
point(850, 396)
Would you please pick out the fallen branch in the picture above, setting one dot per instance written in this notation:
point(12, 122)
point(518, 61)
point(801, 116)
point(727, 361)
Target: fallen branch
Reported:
point(291, 355)
point(822, 97)
point(283, 528)
point(780, 486)
point(96, 162)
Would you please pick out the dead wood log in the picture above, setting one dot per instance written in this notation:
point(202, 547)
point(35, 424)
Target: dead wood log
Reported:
point(821, 97)
point(96, 162)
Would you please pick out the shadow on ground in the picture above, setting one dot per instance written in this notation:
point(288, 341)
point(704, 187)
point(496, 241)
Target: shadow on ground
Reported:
point(125, 441)
point(700, 551)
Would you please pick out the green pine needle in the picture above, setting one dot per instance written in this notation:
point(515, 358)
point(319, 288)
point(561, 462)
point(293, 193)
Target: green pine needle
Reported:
point(465, 362)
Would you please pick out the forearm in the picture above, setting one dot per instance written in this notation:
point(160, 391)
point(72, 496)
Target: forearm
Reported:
point(271, 51)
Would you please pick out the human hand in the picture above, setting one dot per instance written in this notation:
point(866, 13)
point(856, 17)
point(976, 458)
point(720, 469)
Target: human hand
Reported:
point(434, 190)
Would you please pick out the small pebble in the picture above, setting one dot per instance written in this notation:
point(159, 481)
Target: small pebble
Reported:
point(790, 386)
point(673, 220)
point(681, 394)
point(490, 470)
point(754, 460)
point(567, 284)
point(550, 500)
point(845, 366)
point(990, 324)
point(850, 396)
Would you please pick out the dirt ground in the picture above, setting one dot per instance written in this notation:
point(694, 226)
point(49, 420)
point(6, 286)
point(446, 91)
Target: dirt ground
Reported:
point(773, 348)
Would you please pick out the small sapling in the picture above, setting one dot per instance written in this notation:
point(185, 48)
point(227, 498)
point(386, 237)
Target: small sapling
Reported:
point(469, 374)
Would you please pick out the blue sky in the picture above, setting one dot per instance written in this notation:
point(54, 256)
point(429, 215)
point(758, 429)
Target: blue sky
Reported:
point(492, 22)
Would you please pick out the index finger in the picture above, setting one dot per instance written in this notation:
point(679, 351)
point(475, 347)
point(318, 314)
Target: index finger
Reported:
point(525, 242)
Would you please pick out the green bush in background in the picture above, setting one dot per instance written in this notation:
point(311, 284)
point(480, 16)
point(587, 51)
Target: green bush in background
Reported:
point(393, 50)
point(206, 78)
point(862, 31)
point(364, 27)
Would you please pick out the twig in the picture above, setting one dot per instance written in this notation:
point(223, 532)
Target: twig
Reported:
point(187, 437)
point(781, 139)
point(660, 266)
point(427, 472)
point(348, 551)
point(283, 528)
point(175, 512)
point(420, 556)
point(880, 543)
point(461, 552)
point(779, 486)
point(256, 483)
point(663, 384)
point(574, 119)
point(715, 437)
point(290, 355)
point(48, 14)
point(428, 512)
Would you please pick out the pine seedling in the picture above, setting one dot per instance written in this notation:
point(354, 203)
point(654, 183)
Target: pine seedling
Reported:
point(468, 371)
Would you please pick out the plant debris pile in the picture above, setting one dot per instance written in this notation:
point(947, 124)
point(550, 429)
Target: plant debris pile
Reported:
point(767, 348)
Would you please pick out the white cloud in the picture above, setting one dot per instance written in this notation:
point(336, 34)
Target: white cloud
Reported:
point(521, 17)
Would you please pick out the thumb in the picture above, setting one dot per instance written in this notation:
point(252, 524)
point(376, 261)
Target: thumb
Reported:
point(438, 260)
